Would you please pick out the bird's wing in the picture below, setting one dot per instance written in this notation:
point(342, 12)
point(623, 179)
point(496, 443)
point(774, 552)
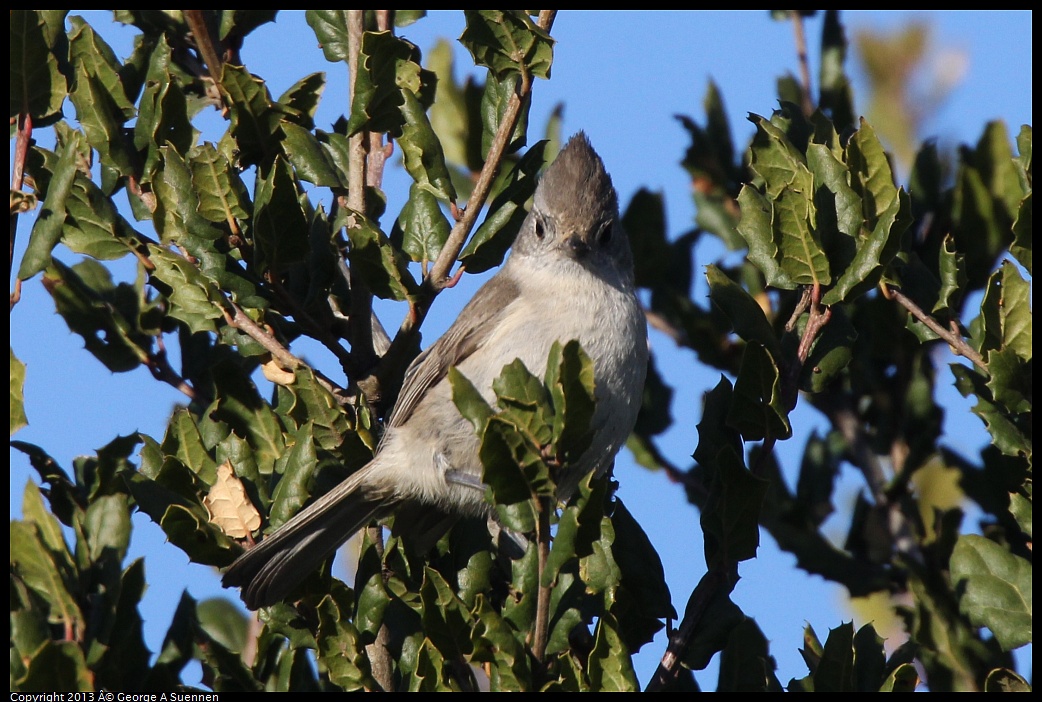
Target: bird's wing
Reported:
point(474, 324)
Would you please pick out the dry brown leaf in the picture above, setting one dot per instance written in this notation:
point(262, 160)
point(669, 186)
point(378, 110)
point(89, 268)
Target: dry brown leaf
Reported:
point(277, 374)
point(229, 507)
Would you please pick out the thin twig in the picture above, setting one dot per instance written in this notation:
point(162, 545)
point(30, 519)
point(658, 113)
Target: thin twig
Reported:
point(801, 55)
point(439, 277)
point(313, 327)
point(160, 368)
point(718, 581)
point(206, 42)
point(955, 341)
point(241, 321)
point(361, 330)
point(658, 321)
point(380, 661)
point(542, 609)
point(21, 148)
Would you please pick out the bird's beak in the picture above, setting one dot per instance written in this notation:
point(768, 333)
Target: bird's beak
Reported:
point(577, 246)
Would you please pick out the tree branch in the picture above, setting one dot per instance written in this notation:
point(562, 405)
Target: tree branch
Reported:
point(801, 54)
point(719, 581)
point(21, 148)
point(241, 321)
point(361, 329)
point(541, 631)
point(955, 341)
point(438, 278)
point(206, 42)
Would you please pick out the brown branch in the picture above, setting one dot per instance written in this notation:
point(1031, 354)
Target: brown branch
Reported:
point(438, 278)
point(160, 368)
point(361, 330)
point(313, 327)
point(955, 340)
point(21, 149)
point(801, 55)
point(241, 321)
point(206, 41)
point(718, 581)
point(380, 661)
point(542, 611)
point(659, 322)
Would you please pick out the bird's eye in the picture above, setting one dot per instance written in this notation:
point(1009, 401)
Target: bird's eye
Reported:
point(540, 231)
point(604, 235)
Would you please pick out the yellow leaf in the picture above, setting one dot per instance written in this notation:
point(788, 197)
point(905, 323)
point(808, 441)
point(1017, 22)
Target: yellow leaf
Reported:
point(277, 374)
point(229, 507)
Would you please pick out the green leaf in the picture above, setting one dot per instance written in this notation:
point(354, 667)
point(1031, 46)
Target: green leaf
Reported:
point(58, 667)
point(446, 621)
point(330, 27)
point(37, 84)
point(835, 670)
point(249, 416)
point(1005, 680)
point(103, 121)
point(254, 121)
point(194, 299)
point(745, 663)
point(422, 154)
point(43, 564)
point(904, 678)
point(755, 227)
point(643, 598)
point(389, 70)
point(610, 667)
point(496, 643)
point(1021, 246)
point(184, 441)
point(468, 400)
point(297, 467)
point(340, 648)
point(423, 225)
point(18, 418)
point(509, 461)
point(730, 516)
point(995, 587)
point(508, 42)
point(300, 101)
point(831, 353)
point(569, 377)
point(1008, 434)
point(495, 100)
point(384, 269)
point(714, 628)
point(758, 409)
point(107, 528)
point(313, 157)
point(524, 402)
point(280, 226)
point(107, 316)
point(220, 191)
point(163, 121)
point(745, 314)
point(490, 242)
point(47, 230)
point(1006, 312)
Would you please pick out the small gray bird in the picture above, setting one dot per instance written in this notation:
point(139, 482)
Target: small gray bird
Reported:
point(570, 276)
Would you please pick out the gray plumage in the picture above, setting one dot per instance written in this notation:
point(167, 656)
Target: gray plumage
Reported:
point(569, 276)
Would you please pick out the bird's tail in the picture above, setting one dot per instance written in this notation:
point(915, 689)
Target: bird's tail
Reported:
point(268, 571)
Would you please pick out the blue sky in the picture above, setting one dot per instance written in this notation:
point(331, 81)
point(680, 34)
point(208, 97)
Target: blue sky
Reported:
point(622, 77)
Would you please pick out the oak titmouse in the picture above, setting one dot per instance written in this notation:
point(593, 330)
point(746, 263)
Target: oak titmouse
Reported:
point(570, 276)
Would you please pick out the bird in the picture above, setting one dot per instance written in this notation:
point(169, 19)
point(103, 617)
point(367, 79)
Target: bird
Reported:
point(569, 276)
